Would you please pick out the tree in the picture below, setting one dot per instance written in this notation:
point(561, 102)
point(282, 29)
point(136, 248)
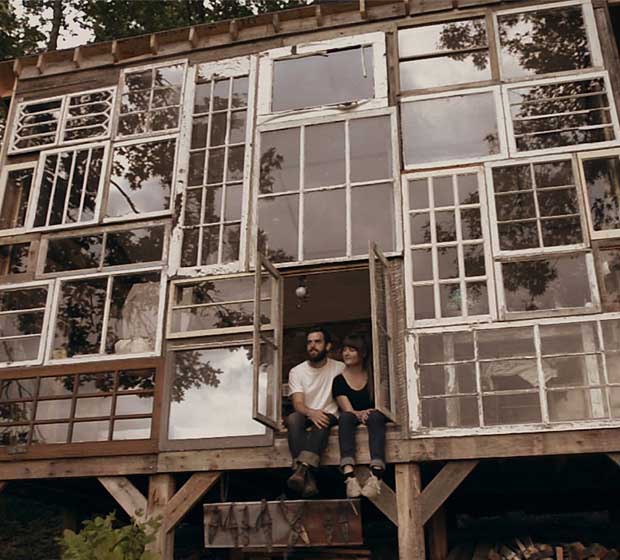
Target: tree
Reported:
point(17, 36)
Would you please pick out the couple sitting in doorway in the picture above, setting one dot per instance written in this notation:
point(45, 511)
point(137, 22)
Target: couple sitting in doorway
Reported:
point(325, 392)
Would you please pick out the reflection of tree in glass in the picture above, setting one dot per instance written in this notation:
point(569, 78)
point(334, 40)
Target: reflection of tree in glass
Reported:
point(533, 276)
point(191, 371)
point(269, 161)
point(464, 35)
point(603, 180)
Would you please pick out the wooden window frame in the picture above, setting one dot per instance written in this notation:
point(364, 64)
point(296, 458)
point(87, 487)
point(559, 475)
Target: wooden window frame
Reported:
point(108, 124)
point(556, 249)
point(229, 68)
point(265, 81)
point(12, 149)
point(33, 254)
point(87, 358)
point(598, 247)
point(4, 173)
point(148, 133)
point(348, 185)
point(435, 282)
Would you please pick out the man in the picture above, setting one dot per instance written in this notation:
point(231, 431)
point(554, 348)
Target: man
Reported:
point(310, 386)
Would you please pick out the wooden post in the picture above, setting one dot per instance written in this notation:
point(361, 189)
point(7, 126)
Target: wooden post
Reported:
point(438, 535)
point(410, 526)
point(161, 490)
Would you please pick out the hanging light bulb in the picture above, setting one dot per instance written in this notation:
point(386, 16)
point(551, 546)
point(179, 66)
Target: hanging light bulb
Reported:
point(301, 291)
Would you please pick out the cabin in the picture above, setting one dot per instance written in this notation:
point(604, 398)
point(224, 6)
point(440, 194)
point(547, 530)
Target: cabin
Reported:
point(176, 210)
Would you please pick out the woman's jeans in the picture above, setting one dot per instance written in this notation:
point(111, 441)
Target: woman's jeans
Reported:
point(347, 425)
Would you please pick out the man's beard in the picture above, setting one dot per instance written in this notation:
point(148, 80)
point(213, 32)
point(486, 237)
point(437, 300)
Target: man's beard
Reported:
point(318, 358)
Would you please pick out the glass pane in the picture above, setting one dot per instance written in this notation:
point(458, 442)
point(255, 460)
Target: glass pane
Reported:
point(608, 263)
point(451, 300)
point(443, 191)
point(322, 79)
point(448, 262)
point(519, 235)
point(418, 194)
point(424, 306)
point(571, 371)
point(420, 228)
point(473, 256)
point(237, 127)
point(325, 224)
point(17, 389)
point(422, 264)
point(136, 380)
point(477, 298)
point(139, 428)
point(211, 394)
point(557, 202)
point(543, 41)
point(467, 188)
point(210, 245)
point(372, 218)
point(80, 318)
point(17, 324)
point(236, 161)
point(279, 161)
point(509, 375)
point(134, 246)
point(278, 227)
point(15, 412)
point(455, 412)
point(234, 202)
point(16, 197)
point(215, 290)
point(53, 410)
point(445, 70)
point(445, 226)
point(447, 347)
point(602, 177)
point(50, 433)
point(19, 349)
point(134, 307)
point(90, 431)
point(511, 409)
point(23, 298)
point(517, 206)
point(371, 149)
point(561, 231)
point(501, 343)
point(218, 129)
point(73, 253)
point(214, 317)
point(512, 178)
point(555, 283)
point(576, 404)
point(240, 89)
point(141, 178)
point(449, 128)
point(452, 36)
point(444, 380)
point(134, 404)
point(231, 237)
point(171, 76)
point(95, 383)
point(93, 406)
point(55, 386)
point(324, 155)
point(267, 389)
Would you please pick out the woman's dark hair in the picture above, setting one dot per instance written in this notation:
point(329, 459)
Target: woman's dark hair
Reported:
point(358, 341)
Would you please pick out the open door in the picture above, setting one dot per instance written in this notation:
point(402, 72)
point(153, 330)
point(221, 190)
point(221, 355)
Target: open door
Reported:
point(382, 318)
point(267, 344)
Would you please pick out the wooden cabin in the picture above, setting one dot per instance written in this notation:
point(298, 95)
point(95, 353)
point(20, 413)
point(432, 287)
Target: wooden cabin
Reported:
point(441, 174)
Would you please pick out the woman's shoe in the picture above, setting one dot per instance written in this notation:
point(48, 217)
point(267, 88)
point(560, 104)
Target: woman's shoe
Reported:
point(354, 490)
point(372, 488)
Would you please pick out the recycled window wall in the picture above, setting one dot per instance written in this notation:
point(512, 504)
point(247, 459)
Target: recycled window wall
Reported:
point(18, 258)
point(16, 184)
point(97, 406)
point(533, 375)
point(4, 115)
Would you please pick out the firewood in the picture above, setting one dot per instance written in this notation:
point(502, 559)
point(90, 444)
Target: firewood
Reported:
point(508, 553)
point(559, 553)
point(576, 551)
point(612, 554)
point(494, 555)
point(596, 550)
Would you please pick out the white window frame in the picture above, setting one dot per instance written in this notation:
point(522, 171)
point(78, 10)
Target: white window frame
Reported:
point(265, 83)
point(591, 33)
point(574, 77)
point(106, 313)
point(389, 112)
point(36, 188)
point(108, 125)
point(119, 98)
point(415, 411)
point(595, 234)
point(501, 131)
point(108, 174)
point(505, 315)
point(104, 231)
point(16, 120)
point(46, 320)
point(435, 282)
point(229, 68)
point(556, 249)
point(4, 173)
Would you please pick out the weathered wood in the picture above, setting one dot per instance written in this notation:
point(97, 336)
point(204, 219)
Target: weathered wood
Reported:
point(386, 500)
point(609, 49)
point(161, 490)
point(615, 457)
point(192, 491)
point(438, 536)
point(440, 488)
point(410, 526)
point(126, 494)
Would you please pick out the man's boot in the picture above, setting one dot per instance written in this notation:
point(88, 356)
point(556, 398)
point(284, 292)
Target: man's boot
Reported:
point(310, 487)
point(297, 481)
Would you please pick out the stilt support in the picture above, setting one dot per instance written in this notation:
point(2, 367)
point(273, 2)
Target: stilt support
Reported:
point(410, 524)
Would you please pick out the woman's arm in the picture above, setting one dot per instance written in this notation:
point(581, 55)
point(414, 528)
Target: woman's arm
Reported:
point(344, 404)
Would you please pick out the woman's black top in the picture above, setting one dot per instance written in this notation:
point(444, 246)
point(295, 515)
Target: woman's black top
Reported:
point(360, 400)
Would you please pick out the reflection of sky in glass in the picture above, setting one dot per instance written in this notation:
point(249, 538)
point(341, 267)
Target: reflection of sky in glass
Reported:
point(225, 410)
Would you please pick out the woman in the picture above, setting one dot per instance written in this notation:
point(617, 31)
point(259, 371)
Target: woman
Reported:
point(353, 392)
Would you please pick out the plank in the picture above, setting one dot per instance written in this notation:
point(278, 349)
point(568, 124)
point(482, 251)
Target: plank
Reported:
point(192, 491)
point(385, 502)
point(126, 494)
point(161, 490)
point(440, 488)
point(410, 525)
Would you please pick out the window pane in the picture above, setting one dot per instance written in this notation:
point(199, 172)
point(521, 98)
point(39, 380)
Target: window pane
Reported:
point(521, 408)
point(576, 404)
point(443, 380)
point(447, 347)
point(134, 404)
point(608, 263)
point(371, 149)
point(602, 177)
point(20, 349)
point(372, 218)
point(90, 431)
point(279, 163)
point(50, 433)
point(14, 259)
point(455, 412)
point(278, 227)
point(449, 128)
point(501, 343)
point(73, 253)
point(212, 394)
point(509, 375)
point(54, 386)
point(141, 178)
point(138, 428)
point(445, 70)
point(16, 196)
point(53, 410)
point(134, 246)
point(93, 406)
point(37, 123)
point(324, 155)
point(88, 115)
point(424, 298)
point(322, 79)
point(453, 36)
point(325, 224)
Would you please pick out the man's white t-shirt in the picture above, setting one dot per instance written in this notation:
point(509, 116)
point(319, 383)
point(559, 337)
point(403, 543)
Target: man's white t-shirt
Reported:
point(316, 384)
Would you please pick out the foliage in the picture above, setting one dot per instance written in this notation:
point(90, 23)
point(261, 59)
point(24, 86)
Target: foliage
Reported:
point(100, 540)
point(17, 36)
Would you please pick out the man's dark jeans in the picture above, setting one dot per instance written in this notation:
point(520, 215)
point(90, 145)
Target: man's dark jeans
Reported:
point(347, 425)
point(305, 440)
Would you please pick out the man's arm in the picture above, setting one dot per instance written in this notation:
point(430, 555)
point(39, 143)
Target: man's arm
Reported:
point(317, 417)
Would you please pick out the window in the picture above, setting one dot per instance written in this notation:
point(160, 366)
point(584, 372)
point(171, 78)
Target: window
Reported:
point(534, 374)
point(118, 314)
point(443, 54)
point(542, 40)
point(18, 260)
point(23, 322)
point(141, 180)
point(218, 162)
point(536, 206)
point(555, 114)
point(37, 124)
point(151, 99)
point(16, 183)
point(97, 406)
point(88, 116)
point(343, 74)
point(448, 265)
point(326, 189)
point(68, 186)
point(607, 257)
point(104, 249)
point(452, 127)
point(4, 115)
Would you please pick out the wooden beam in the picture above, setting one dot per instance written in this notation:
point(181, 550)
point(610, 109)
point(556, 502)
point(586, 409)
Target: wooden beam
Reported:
point(438, 535)
point(363, 10)
point(275, 23)
point(386, 500)
point(194, 489)
point(440, 488)
point(233, 29)
point(161, 490)
point(154, 43)
point(407, 6)
point(41, 63)
point(192, 37)
point(615, 457)
point(126, 494)
point(609, 49)
point(410, 525)
point(114, 49)
point(318, 15)
point(77, 57)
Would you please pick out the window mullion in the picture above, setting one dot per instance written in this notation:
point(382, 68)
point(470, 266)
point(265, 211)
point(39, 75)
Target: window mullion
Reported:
point(434, 250)
point(302, 180)
point(70, 185)
point(542, 386)
point(460, 248)
point(541, 245)
point(106, 315)
point(348, 217)
point(53, 190)
point(84, 184)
